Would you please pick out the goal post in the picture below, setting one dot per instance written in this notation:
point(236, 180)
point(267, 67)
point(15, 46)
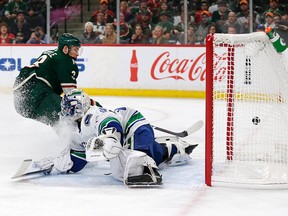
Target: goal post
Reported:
point(246, 112)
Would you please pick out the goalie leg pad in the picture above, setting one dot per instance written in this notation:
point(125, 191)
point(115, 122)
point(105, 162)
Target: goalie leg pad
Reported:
point(133, 167)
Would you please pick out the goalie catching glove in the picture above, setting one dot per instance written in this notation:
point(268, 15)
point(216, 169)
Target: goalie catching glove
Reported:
point(106, 145)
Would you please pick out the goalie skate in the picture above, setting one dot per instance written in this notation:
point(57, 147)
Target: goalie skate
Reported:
point(184, 150)
point(150, 178)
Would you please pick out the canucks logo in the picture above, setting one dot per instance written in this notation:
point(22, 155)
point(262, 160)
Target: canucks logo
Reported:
point(7, 64)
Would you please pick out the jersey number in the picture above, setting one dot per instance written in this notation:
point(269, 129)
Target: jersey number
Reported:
point(40, 60)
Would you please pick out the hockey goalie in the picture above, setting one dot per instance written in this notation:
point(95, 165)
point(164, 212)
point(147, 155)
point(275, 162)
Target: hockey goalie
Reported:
point(123, 137)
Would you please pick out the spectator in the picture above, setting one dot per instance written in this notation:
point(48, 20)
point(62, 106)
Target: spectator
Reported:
point(220, 16)
point(269, 20)
point(212, 28)
point(36, 13)
point(191, 36)
point(180, 26)
point(158, 36)
point(142, 7)
point(203, 26)
point(39, 37)
point(99, 26)
point(284, 16)
point(260, 28)
point(274, 7)
point(232, 30)
point(198, 14)
point(281, 27)
point(232, 21)
point(133, 6)
point(163, 8)
point(277, 18)
point(112, 5)
point(244, 17)
point(166, 25)
point(146, 23)
point(2, 7)
point(19, 38)
point(280, 22)
point(20, 25)
point(89, 36)
point(125, 29)
point(177, 17)
point(138, 37)
point(128, 17)
point(109, 14)
point(153, 6)
point(110, 35)
point(12, 9)
point(5, 36)
point(214, 7)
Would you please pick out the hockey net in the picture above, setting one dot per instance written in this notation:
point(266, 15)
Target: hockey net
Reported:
point(246, 112)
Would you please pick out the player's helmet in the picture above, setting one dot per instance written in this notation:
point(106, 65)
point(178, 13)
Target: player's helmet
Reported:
point(75, 104)
point(69, 40)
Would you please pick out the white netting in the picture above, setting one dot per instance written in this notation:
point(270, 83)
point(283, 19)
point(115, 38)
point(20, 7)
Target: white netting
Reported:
point(250, 105)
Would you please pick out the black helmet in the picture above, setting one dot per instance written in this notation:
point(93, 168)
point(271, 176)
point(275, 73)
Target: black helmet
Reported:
point(69, 40)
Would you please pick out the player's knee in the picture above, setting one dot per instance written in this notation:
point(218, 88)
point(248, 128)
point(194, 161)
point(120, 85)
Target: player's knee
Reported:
point(79, 162)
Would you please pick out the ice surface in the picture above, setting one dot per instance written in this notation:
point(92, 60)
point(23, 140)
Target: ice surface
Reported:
point(94, 192)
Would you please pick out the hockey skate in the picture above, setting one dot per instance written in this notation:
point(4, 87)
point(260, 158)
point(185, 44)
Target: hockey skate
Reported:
point(150, 177)
point(184, 150)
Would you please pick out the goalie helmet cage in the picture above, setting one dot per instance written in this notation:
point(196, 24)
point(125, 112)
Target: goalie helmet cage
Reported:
point(246, 112)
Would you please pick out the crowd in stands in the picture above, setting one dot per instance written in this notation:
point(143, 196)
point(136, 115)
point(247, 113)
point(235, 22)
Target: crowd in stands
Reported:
point(147, 21)
point(23, 21)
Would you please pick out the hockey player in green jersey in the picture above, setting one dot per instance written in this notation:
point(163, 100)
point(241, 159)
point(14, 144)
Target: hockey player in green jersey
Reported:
point(38, 87)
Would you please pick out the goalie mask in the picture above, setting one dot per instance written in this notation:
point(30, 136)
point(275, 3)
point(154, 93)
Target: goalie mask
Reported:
point(75, 104)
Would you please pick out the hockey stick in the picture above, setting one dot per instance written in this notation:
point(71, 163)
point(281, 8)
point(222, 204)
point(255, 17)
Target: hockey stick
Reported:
point(195, 127)
point(25, 170)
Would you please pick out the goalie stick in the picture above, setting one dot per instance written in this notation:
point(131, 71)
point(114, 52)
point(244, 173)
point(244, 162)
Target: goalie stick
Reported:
point(25, 170)
point(195, 127)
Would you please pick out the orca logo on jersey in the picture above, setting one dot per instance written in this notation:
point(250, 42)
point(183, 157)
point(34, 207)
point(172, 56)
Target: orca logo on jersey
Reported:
point(12, 64)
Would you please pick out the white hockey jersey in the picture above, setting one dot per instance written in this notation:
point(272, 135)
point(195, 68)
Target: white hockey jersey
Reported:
point(93, 124)
point(131, 120)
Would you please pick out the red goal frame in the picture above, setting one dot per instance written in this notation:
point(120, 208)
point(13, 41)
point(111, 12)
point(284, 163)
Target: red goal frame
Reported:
point(209, 106)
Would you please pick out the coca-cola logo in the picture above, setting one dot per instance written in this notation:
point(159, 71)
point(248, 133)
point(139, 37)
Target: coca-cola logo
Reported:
point(134, 65)
point(164, 67)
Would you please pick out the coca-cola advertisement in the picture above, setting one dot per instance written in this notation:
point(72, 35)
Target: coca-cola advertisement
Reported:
point(134, 67)
point(167, 68)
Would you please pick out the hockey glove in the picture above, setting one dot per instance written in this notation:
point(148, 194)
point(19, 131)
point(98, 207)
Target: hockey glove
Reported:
point(94, 149)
